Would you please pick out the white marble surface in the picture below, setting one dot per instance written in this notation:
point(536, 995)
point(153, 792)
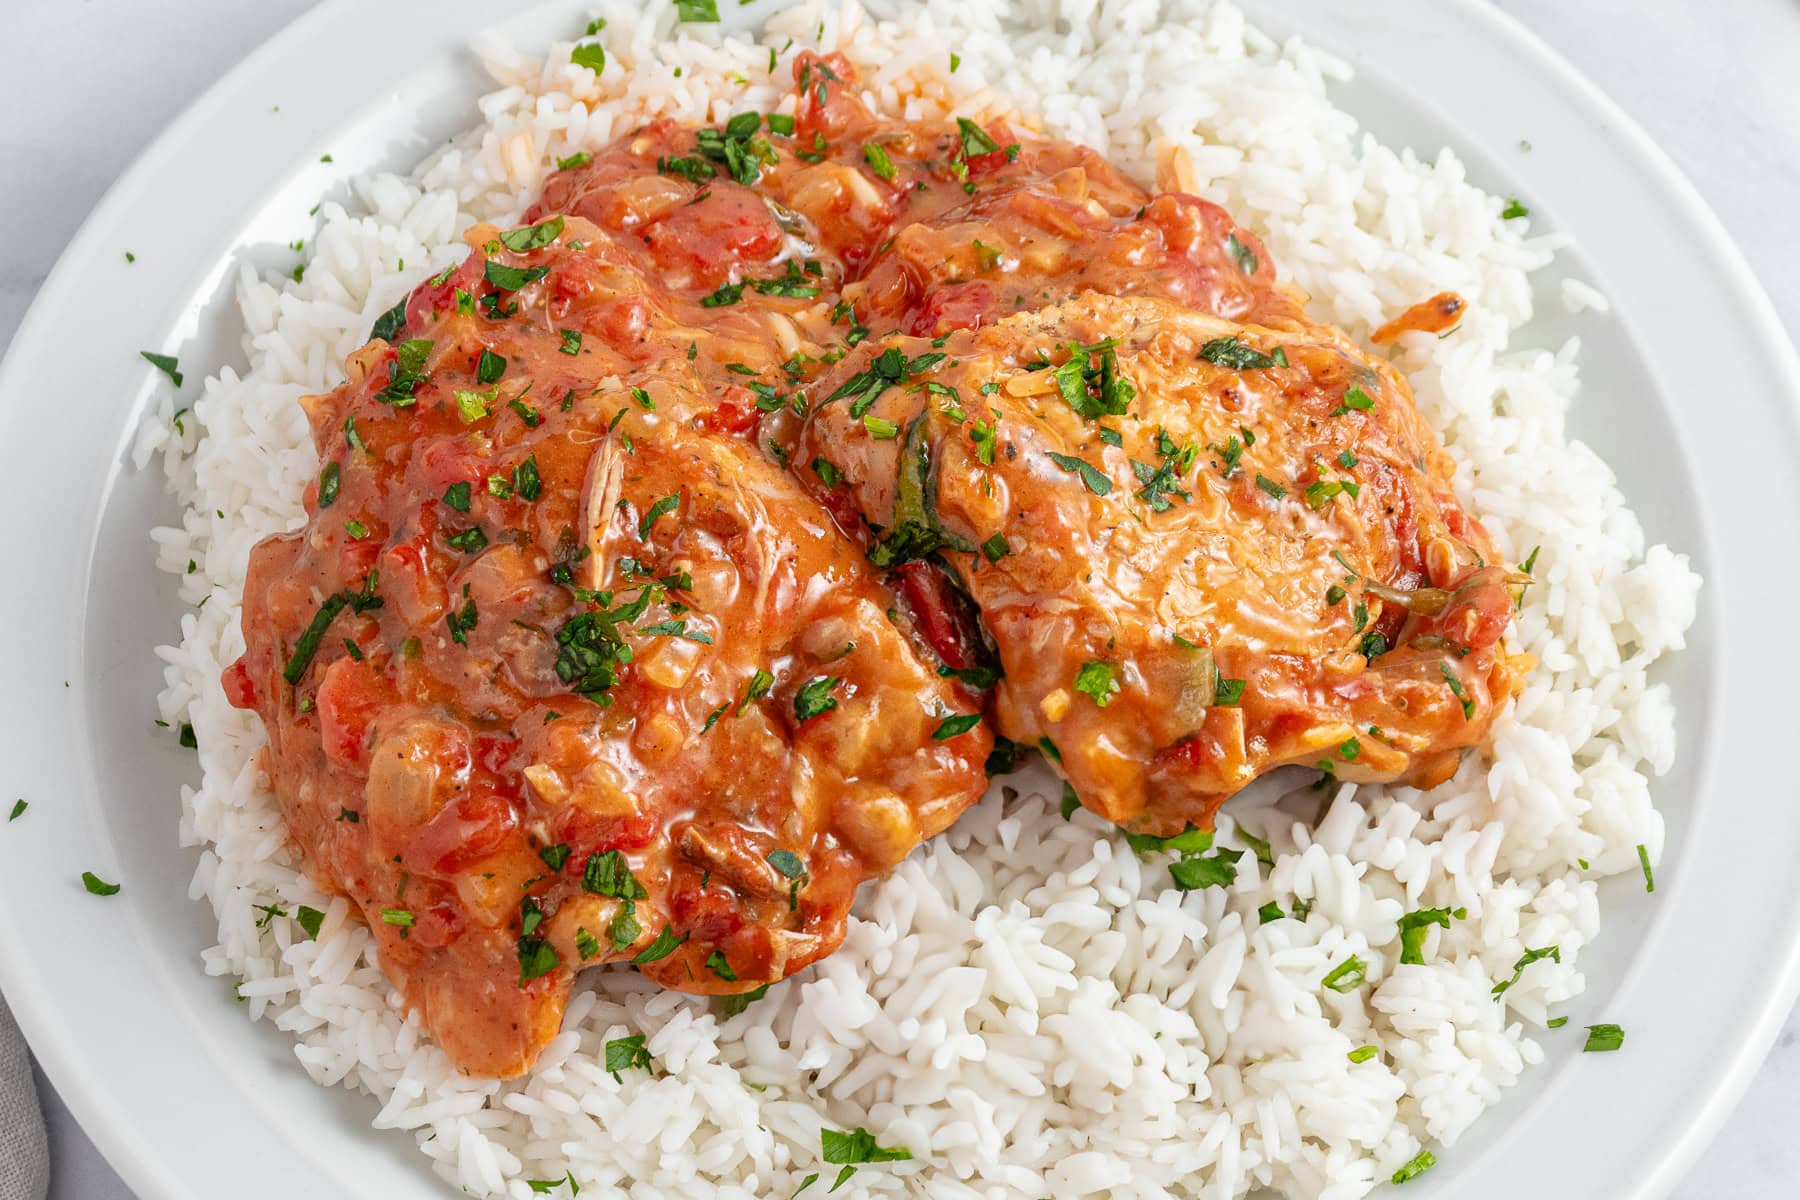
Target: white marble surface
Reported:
point(1715, 82)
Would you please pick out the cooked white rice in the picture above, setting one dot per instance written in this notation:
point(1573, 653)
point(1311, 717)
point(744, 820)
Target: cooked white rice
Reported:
point(1024, 1004)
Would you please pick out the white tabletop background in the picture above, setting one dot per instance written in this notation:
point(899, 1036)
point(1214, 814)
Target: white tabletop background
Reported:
point(1717, 83)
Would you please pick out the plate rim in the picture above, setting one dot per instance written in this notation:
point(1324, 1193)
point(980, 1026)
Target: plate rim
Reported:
point(148, 1167)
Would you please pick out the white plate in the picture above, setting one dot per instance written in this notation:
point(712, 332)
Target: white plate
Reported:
point(1690, 394)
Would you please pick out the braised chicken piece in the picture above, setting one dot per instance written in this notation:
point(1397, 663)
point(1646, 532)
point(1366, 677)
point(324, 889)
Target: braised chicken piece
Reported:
point(560, 673)
point(1202, 550)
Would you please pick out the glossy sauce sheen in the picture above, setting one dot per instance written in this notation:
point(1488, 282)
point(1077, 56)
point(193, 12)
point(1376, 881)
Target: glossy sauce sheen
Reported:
point(595, 646)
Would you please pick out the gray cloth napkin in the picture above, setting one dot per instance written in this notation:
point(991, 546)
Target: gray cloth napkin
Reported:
point(24, 1152)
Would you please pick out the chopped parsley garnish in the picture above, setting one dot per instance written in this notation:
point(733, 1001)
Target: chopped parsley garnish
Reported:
point(1530, 561)
point(473, 406)
point(311, 920)
point(996, 548)
point(1420, 1163)
point(405, 372)
point(1070, 801)
point(1321, 492)
point(489, 367)
point(390, 322)
point(580, 158)
point(1090, 383)
point(694, 170)
point(731, 1006)
point(758, 687)
point(1160, 482)
point(1347, 976)
point(736, 145)
point(469, 541)
point(880, 428)
point(1553, 953)
point(97, 886)
point(955, 726)
point(1363, 1054)
point(18, 810)
point(726, 294)
point(793, 869)
point(511, 279)
point(526, 483)
point(1188, 841)
point(827, 472)
point(1269, 486)
point(1603, 1037)
point(329, 476)
point(586, 944)
point(1229, 692)
point(1230, 353)
point(571, 341)
point(697, 11)
point(525, 413)
point(1003, 759)
point(1513, 209)
point(655, 512)
point(1241, 255)
point(975, 140)
point(884, 371)
point(877, 157)
point(461, 620)
point(399, 918)
point(719, 965)
point(661, 948)
point(1099, 681)
point(1218, 869)
point(814, 697)
point(857, 1146)
point(308, 643)
point(627, 1053)
point(1269, 912)
point(457, 496)
point(1414, 925)
point(1457, 690)
point(1096, 481)
point(1355, 399)
point(555, 856)
point(986, 438)
point(591, 55)
point(165, 363)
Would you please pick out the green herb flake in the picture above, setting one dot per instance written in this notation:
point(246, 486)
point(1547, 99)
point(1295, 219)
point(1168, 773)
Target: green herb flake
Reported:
point(1513, 210)
point(876, 156)
point(165, 363)
point(1355, 400)
point(311, 920)
point(456, 496)
point(627, 1054)
point(1269, 486)
point(1603, 1038)
point(856, 1147)
point(97, 886)
point(955, 726)
point(1420, 1163)
point(1414, 925)
point(1553, 953)
point(1218, 869)
point(1457, 690)
point(1347, 976)
point(664, 945)
point(18, 810)
point(1643, 854)
point(1363, 1054)
point(814, 697)
point(1099, 681)
point(697, 11)
point(658, 510)
point(1096, 481)
point(591, 55)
